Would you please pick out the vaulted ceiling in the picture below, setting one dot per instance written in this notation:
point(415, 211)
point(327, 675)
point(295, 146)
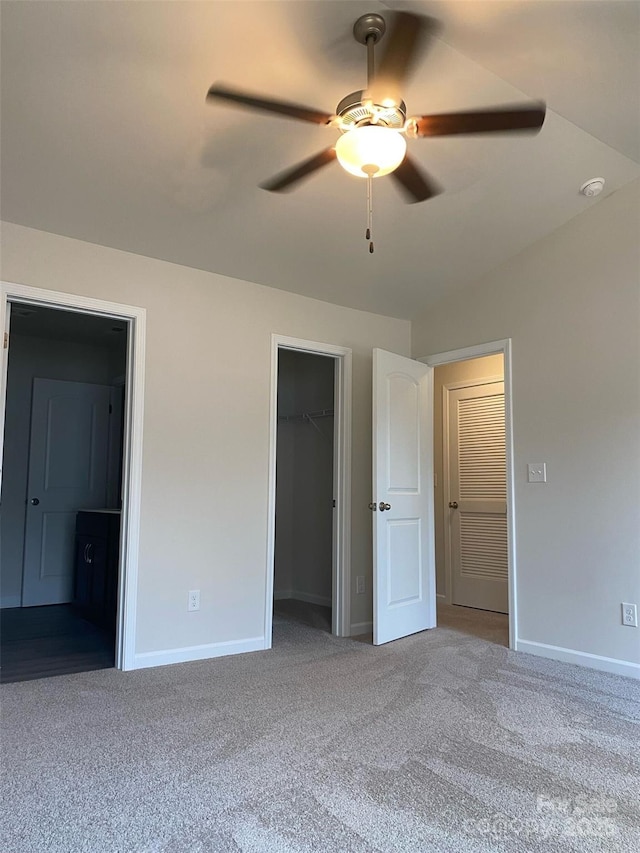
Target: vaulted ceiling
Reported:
point(107, 137)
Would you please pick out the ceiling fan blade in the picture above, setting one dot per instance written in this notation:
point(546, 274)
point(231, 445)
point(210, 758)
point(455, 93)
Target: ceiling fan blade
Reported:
point(285, 180)
point(268, 105)
point(510, 119)
point(402, 47)
point(415, 183)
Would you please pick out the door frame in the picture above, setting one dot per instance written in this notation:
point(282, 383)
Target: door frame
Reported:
point(478, 351)
point(341, 561)
point(132, 439)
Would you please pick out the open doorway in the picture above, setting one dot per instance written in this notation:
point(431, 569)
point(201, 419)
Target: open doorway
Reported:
point(303, 565)
point(134, 319)
point(470, 468)
point(61, 491)
point(308, 578)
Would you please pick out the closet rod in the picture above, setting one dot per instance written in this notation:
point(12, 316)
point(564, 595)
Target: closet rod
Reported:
point(305, 416)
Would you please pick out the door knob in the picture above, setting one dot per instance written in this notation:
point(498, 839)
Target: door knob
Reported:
point(384, 506)
point(373, 507)
point(35, 501)
point(453, 504)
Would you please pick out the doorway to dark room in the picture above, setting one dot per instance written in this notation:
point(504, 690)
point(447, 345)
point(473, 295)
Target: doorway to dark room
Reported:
point(61, 491)
point(304, 529)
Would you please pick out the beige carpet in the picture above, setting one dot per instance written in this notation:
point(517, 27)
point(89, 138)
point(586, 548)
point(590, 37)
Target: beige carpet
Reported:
point(444, 741)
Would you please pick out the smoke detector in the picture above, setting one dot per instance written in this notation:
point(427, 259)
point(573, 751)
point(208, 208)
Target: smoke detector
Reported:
point(593, 186)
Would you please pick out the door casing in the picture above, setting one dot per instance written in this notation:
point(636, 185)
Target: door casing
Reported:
point(341, 569)
point(464, 354)
point(132, 444)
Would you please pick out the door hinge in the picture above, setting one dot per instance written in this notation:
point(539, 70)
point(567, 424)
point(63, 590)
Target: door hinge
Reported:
point(6, 340)
point(110, 409)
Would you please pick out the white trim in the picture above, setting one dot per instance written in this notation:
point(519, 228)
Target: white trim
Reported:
point(605, 664)
point(341, 581)
point(311, 598)
point(144, 660)
point(466, 353)
point(281, 594)
point(358, 628)
point(308, 597)
point(132, 448)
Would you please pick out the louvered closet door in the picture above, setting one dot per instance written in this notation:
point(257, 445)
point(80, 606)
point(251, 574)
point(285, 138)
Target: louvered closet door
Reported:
point(477, 483)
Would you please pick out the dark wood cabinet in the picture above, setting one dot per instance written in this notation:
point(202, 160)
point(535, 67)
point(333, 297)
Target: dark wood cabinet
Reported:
point(95, 589)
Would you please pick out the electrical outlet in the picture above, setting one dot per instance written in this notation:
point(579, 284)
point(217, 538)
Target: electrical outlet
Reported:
point(360, 585)
point(193, 602)
point(629, 615)
point(537, 472)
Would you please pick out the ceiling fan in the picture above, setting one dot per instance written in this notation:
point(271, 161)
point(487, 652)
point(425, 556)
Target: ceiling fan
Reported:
point(373, 122)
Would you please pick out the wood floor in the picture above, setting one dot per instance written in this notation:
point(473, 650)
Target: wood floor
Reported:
point(484, 624)
point(38, 642)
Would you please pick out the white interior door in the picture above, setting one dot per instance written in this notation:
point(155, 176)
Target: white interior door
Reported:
point(404, 596)
point(68, 463)
point(477, 497)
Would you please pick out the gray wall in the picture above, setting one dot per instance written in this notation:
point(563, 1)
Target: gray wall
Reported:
point(31, 357)
point(304, 513)
point(571, 304)
point(205, 465)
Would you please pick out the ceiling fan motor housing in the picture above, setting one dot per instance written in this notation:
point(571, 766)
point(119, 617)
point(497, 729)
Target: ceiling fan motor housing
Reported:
point(352, 112)
point(369, 26)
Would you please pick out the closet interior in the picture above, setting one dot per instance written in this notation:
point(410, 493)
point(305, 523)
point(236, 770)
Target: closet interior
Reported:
point(304, 552)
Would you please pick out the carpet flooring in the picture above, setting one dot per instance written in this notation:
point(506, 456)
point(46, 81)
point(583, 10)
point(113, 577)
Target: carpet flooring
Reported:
point(292, 610)
point(443, 741)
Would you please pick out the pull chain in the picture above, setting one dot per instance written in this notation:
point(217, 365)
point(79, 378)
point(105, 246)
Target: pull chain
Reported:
point(369, 232)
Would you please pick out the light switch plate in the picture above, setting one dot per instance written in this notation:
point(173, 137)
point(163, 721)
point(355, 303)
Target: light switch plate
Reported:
point(537, 472)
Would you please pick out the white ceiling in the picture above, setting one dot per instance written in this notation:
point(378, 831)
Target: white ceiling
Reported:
point(106, 136)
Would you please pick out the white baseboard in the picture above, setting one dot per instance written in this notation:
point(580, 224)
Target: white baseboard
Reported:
point(613, 665)
point(10, 601)
point(358, 628)
point(279, 594)
point(309, 597)
point(191, 653)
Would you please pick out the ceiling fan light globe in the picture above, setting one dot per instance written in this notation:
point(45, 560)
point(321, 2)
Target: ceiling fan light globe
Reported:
point(362, 150)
